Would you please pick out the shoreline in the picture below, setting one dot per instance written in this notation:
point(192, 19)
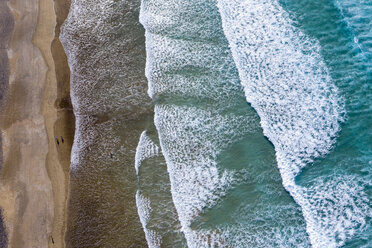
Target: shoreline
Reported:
point(61, 125)
point(34, 178)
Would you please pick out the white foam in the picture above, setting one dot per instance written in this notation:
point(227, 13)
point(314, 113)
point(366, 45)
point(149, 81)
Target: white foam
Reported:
point(153, 181)
point(107, 67)
point(287, 82)
point(144, 211)
point(191, 60)
point(146, 148)
point(190, 142)
point(189, 137)
point(106, 76)
point(339, 206)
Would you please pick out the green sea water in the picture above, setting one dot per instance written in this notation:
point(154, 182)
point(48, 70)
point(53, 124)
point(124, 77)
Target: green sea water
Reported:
point(308, 115)
point(343, 29)
point(261, 134)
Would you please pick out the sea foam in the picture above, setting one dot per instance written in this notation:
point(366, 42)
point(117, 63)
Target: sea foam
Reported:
point(144, 211)
point(154, 201)
point(181, 68)
point(146, 148)
point(105, 48)
point(288, 84)
point(200, 114)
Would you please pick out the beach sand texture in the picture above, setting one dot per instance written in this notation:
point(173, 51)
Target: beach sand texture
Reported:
point(36, 110)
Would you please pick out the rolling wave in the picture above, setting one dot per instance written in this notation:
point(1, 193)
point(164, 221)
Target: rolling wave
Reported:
point(153, 198)
point(202, 118)
point(288, 84)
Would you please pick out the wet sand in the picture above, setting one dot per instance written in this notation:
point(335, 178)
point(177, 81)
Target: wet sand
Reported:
point(6, 28)
point(3, 235)
point(36, 110)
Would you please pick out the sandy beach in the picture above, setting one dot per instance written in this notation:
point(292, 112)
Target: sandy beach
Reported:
point(36, 111)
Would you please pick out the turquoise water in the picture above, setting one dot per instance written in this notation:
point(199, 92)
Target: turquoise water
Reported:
point(343, 29)
point(261, 131)
point(263, 115)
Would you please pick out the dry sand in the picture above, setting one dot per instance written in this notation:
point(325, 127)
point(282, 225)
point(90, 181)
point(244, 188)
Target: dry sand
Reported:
point(34, 177)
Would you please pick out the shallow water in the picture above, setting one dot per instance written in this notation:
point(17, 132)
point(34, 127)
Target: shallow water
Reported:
point(221, 167)
point(105, 46)
point(260, 133)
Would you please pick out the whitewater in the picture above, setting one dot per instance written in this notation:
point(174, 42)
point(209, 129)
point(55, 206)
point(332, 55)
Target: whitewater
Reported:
point(287, 82)
point(257, 133)
point(201, 57)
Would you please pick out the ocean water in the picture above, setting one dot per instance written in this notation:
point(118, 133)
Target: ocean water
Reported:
point(153, 198)
point(341, 181)
point(257, 133)
point(105, 45)
point(263, 114)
